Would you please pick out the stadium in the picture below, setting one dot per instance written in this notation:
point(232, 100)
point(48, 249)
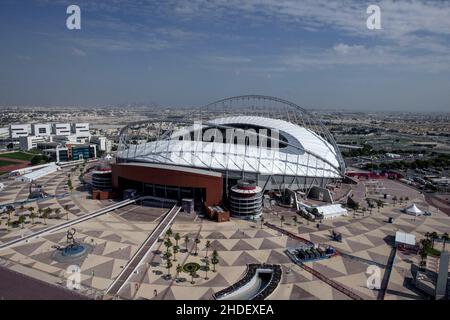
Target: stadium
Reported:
point(272, 144)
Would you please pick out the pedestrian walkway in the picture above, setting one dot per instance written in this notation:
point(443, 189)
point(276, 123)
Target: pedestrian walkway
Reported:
point(142, 252)
point(67, 224)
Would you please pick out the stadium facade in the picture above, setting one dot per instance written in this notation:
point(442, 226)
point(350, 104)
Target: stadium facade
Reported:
point(272, 142)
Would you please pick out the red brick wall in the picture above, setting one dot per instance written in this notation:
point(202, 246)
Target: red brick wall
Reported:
point(213, 185)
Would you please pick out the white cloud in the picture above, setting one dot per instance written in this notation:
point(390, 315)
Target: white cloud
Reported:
point(78, 52)
point(413, 31)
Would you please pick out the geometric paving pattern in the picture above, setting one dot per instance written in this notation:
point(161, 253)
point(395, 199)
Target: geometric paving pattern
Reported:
point(238, 243)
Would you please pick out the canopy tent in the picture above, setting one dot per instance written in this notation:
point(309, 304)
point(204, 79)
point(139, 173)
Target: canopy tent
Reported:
point(413, 210)
point(332, 211)
point(405, 238)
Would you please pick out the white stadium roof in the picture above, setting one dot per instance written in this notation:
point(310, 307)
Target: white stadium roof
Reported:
point(307, 154)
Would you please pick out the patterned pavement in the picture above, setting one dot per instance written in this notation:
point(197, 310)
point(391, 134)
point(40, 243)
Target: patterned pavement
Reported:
point(117, 236)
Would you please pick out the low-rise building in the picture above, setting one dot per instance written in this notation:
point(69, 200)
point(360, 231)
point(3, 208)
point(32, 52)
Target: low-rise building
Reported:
point(81, 130)
point(19, 130)
point(30, 142)
point(62, 129)
point(42, 130)
point(102, 143)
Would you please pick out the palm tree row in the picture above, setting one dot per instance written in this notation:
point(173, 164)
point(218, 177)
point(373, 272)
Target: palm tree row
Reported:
point(214, 260)
point(433, 236)
point(33, 214)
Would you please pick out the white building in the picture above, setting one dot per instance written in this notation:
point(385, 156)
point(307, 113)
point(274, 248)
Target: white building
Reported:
point(42, 130)
point(103, 144)
point(19, 130)
point(4, 133)
point(81, 130)
point(30, 142)
point(62, 129)
point(37, 174)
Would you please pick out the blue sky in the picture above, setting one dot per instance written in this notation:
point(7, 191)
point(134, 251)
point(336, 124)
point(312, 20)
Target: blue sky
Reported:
point(317, 53)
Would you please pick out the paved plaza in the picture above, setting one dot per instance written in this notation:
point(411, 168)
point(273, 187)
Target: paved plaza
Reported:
point(117, 235)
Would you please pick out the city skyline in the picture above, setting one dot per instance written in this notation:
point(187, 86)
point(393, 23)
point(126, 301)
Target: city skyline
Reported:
point(319, 54)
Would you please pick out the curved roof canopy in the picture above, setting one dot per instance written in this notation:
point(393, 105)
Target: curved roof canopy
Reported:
point(249, 133)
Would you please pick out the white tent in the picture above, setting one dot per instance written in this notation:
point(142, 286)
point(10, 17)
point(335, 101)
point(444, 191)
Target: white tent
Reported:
point(405, 238)
point(332, 211)
point(413, 210)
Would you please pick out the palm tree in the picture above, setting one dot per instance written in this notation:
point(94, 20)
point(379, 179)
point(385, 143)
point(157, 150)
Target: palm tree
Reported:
point(179, 269)
point(22, 220)
point(371, 206)
point(66, 209)
point(423, 256)
point(9, 212)
point(295, 220)
point(168, 244)
point(175, 251)
point(169, 232)
point(262, 222)
point(197, 242)
point(379, 204)
point(434, 236)
point(206, 268)
point(46, 213)
point(177, 238)
point(168, 266)
point(192, 274)
point(167, 255)
point(395, 200)
point(207, 246)
point(8, 223)
point(32, 215)
point(406, 199)
point(444, 238)
point(215, 260)
point(281, 220)
point(186, 241)
point(39, 212)
point(401, 200)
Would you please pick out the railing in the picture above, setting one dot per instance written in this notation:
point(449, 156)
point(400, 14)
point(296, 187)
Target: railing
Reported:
point(68, 223)
point(289, 234)
point(330, 282)
point(140, 255)
point(316, 273)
